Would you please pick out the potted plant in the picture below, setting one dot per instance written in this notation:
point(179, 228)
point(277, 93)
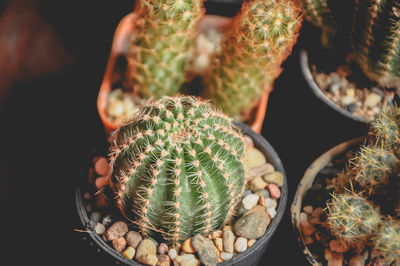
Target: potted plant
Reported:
point(185, 184)
point(349, 55)
point(346, 207)
point(229, 59)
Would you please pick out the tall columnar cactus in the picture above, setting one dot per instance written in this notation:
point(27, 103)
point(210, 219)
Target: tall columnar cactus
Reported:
point(178, 168)
point(376, 40)
point(352, 218)
point(386, 241)
point(160, 48)
point(251, 56)
point(318, 13)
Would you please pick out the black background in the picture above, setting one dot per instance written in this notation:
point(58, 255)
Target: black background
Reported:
point(49, 125)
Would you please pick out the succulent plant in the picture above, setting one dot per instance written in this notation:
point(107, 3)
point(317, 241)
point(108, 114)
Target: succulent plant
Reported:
point(386, 241)
point(352, 218)
point(178, 168)
point(376, 40)
point(262, 37)
point(318, 13)
point(160, 49)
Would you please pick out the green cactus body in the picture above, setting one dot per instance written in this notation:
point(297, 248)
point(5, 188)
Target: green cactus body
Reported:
point(386, 242)
point(318, 13)
point(351, 218)
point(376, 40)
point(161, 44)
point(372, 168)
point(178, 168)
point(251, 55)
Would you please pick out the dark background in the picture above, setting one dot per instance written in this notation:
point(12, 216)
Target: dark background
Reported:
point(49, 123)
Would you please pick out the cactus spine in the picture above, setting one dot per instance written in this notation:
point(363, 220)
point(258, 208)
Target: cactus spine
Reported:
point(376, 40)
point(178, 168)
point(261, 39)
point(159, 52)
point(387, 241)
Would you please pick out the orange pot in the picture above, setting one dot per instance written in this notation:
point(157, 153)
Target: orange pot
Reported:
point(120, 46)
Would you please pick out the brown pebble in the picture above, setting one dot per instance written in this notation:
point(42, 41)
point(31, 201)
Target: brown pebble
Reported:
point(338, 246)
point(187, 246)
point(133, 238)
point(101, 166)
point(162, 248)
point(163, 260)
point(257, 183)
point(116, 230)
point(119, 244)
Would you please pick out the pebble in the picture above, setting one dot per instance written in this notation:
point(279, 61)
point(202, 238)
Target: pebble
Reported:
point(254, 157)
point(101, 182)
point(163, 260)
point(205, 249)
point(251, 242)
point(217, 234)
point(172, 253)
point(271, 212)
point(240, 244)
point(95, 217)
point(260, 170)
point(133, 238)
point(187, 246)
point(219, 243)
point(252, 224)
point(248, 142)
point(250, 201)
point(372, 100)
point(257, 183)
point(274, 191)
point(357, 260)
point(306, 227)
point(308, 209)
point(119, 244)
point(101, 166)
point(107, 220)
point(228, 240)
point(129, 253)
point(275, 177)
point(352, 107)
point(333, 258)
point(308, 240)
point(226, 256)
point(270, 203)
point(100, 228)
point(337, 246)
point(116, 230)
point(264, 193)
point(187, 260)
point(146, 252)
point(162, 248)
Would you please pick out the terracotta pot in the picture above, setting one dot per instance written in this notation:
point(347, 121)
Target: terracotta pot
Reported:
point(120, 46)
point(306, 183)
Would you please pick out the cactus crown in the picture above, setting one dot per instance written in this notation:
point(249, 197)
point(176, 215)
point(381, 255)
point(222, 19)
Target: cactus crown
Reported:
point(385, 129)
point(178, 168)
point(351, 218)
point(252, 53)
point(387, 241)
point(159, 52)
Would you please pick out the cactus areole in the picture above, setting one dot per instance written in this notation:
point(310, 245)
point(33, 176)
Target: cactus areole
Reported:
point(178, 168)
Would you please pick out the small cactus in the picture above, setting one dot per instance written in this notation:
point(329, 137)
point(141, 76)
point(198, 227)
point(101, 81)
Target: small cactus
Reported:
point(351, 218)
point(376, 40)
point(161, 44)
point(386, 241)
point(262, 37)
point(178, 168)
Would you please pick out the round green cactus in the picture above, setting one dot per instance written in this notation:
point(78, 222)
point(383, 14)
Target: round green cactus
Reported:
point(351, 218)
point(386, 241)
point(178, 168)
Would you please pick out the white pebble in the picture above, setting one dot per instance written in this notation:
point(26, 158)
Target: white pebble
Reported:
point(271, 212)
point(250, 201)
point(240, 244)
point(172, 253)
point(270, 203)
point(226, 256)
point(100, 228)
point(308, 209)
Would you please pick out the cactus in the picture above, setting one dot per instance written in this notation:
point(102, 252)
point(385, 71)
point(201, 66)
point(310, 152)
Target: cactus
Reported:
point(178, 168)
point(319, 14)
point(165, 31)
point(376, 40)
point(351, 218)
point(386, 241)
point(251, 55)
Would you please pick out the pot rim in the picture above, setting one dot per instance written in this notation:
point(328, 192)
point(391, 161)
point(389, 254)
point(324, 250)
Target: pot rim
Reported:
point(305, 184)
point(272, 157)
point(305, 69)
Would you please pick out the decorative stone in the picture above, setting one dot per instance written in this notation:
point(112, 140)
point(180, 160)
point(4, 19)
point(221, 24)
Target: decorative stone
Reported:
point(119, 244)
point(95, 217)
point(308, 209)
point(306, 227)
point(116, 230)
point(333, 258)
point(275, 177)
point(240, 244)
point(252, 224)
point(99, 228)
point(372, 100)
point(226, 256)
point(270, 203)
point(257, 183)
point(263, 193)
point(250, 201)
point(186, 260)
point(274, 191)
point(337, 246)
point(101, 166)
point(163, 260)
point(228, 240)
point(107, 220)
point(219, 243)
point(357, 260)
point(129, 253)
point(146, 252)
point(162, 248)
point(205, 249)
point(187, 246)
point(172, 253)
point(251, 242)
point(217, 234)
point(271, 212)
point(260, 170)
point(254, 157)
point(133, 238)
point(248, 142)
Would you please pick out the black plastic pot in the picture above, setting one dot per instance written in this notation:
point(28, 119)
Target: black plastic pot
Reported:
point(251, 256)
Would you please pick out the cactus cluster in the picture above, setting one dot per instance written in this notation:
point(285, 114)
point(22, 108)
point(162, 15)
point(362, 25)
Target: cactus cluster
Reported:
point(356, 212)
point(164, 34)
point(178, 168)
point(250, 60)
